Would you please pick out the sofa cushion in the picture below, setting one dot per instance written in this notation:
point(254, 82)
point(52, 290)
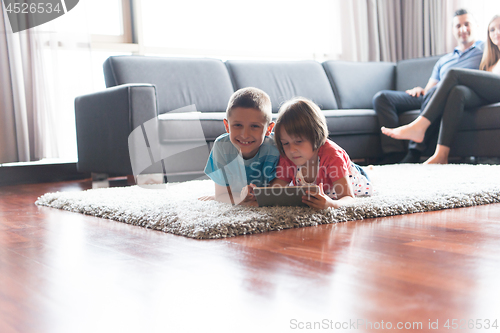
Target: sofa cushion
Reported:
point(355, 83)
point(179, 81)
point(413, 73)
point(283, 80)
point(484, 118)
point(358, 121)
point(176, 126)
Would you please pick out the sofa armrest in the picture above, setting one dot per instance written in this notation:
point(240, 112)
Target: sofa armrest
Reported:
point(104, 121)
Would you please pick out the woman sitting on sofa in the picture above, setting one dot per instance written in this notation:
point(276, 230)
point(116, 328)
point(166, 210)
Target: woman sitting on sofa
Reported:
point(459, 89)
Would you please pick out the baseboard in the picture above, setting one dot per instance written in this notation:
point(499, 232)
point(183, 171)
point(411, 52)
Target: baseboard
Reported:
point(39, 173)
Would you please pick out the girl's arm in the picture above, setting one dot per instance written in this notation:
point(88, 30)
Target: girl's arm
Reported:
point(278, 182)
point(343, 189)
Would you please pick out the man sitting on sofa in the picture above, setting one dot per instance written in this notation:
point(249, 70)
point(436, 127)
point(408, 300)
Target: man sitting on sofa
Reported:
point(389, 104)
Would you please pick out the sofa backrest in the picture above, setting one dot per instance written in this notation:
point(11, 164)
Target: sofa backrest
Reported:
point(355, 83)
point(413, 73)
point(209, 83)
point(179, 81)
point(283, 80)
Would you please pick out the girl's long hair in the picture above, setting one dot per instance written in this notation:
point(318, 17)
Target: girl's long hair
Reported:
point(491, 53)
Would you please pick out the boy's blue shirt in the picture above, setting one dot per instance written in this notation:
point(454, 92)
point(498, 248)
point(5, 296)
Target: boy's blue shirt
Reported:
point(238, 172)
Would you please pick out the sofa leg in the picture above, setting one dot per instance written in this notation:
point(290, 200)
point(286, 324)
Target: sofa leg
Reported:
point(471, 160)
point(100, 180)
point(131, 180)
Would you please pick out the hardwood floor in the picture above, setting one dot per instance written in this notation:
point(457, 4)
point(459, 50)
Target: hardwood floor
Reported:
point(67, 272)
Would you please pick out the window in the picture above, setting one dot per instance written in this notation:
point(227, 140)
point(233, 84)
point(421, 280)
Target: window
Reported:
point(483, 11)
point(74, 49)
point(77, 44)
point(228, 29)
point(111, 23)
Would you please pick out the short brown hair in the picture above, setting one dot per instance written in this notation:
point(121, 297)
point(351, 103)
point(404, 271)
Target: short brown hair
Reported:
point(252, 98)
point(461, 11)
point(303, 118)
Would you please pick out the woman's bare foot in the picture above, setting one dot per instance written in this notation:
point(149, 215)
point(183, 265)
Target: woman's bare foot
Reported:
point(405, 132)
point(413, 131)
point(436, 160)
point(440, 155)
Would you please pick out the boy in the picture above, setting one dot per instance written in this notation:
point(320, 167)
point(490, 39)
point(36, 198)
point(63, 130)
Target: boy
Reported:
point(245, 156)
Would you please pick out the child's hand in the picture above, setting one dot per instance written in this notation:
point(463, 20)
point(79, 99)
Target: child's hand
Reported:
point(247, 194)
point(249, 204)
point(319, 200)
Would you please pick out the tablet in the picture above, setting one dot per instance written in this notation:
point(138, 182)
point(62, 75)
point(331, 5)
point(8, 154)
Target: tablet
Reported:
point(283, 196)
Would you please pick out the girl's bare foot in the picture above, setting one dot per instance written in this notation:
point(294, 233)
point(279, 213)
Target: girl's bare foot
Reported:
point(413, 131)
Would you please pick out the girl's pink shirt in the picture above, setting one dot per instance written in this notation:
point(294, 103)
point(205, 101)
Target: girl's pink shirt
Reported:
point(334, 164)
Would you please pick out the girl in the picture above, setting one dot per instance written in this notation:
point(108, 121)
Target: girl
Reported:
point(307, 156)
point(460, 89)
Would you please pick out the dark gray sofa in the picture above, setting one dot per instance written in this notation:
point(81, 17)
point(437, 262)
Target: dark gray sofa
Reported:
point(142, 88)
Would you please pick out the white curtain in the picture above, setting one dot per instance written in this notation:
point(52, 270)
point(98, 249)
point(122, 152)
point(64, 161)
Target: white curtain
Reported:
point(36, 111)
point(22, 109)
point(392, 30)
point(371, 30)
point(425, 28)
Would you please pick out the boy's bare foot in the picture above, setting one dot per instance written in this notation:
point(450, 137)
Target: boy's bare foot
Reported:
point(207, 198)
point(405, 132)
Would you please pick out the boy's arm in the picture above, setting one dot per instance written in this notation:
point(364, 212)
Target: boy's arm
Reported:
point(224, 194)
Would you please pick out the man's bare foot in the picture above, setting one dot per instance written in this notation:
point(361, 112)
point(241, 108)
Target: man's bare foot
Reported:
point(405, 132)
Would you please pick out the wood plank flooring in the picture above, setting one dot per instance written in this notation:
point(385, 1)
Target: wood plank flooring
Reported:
point(67, 272)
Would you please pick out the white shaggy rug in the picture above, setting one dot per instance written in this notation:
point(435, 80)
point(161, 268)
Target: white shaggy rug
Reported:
point(400, 189)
